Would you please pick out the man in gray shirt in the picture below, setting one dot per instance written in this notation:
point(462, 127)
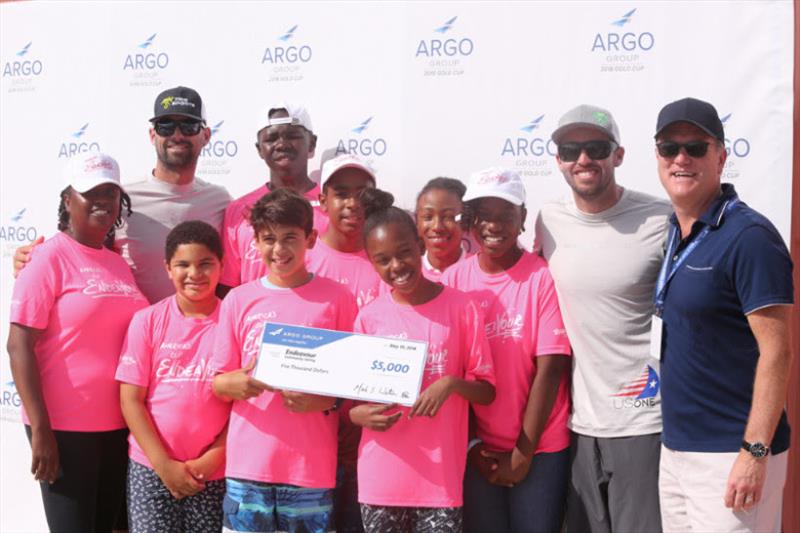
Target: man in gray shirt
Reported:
point(604, 245)
point(171, 194)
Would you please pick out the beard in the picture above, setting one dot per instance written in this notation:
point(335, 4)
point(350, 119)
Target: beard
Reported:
point(177, 161)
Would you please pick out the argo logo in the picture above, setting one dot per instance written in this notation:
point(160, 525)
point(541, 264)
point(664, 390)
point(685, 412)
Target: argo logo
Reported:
point(623, 42)
point(77, 144)
point(147, 59)
point(287, 55)
point(445, 47)
point(217, 147)
point(17, 232)
point(23, 65)
point(738, 147)
point(361, 144)
point(10, 396)
point(530, 145)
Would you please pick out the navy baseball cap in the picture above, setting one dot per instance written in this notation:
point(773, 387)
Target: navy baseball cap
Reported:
point(694, 111)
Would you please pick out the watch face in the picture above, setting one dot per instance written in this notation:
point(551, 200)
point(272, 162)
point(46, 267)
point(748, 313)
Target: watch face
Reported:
point(758, 450)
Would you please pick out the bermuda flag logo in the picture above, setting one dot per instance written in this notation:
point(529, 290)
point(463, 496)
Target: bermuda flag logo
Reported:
point(645, 386)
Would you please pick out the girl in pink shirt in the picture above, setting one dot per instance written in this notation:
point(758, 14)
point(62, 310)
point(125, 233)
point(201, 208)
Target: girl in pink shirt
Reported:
point(518, 464)
point(69, 312)
point(411, 461)
point(178, 426)
point(440, 220)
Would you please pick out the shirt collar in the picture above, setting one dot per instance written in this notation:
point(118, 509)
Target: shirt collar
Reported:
point(713, 215)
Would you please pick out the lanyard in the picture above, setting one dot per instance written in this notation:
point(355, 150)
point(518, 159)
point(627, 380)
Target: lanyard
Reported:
point(672, 263)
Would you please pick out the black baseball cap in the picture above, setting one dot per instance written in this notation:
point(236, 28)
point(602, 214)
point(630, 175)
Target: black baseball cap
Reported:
point(181, 101)
point(694, 111)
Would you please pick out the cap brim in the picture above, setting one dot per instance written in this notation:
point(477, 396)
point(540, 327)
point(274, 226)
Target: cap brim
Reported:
point(503, 196)
point(177, 114)
point(351, 165)
point(83, 186)
point(690, 121)
point(563, 130)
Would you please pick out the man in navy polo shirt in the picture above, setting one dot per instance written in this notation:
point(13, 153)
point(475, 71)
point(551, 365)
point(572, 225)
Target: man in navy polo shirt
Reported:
point(724, 296)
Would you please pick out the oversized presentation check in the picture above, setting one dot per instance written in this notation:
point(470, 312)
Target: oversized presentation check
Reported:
point(340, 364)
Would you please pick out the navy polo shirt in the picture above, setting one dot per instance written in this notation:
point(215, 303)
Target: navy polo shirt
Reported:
point(709, 353)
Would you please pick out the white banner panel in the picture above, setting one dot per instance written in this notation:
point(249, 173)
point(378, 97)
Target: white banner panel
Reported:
point(421, 89)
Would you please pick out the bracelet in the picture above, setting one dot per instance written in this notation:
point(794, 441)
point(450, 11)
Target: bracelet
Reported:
point(473, 443)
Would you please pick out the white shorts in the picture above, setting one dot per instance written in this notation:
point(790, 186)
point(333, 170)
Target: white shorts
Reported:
point(692, 491)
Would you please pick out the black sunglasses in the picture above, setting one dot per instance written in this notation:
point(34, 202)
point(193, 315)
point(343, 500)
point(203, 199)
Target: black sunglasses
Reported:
point(672, 149)
point(596, 150)
point(188, 128)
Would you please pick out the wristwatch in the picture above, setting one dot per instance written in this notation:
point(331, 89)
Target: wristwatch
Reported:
point(756, 449)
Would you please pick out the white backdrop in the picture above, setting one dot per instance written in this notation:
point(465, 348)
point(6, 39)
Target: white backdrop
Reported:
point(421, 89)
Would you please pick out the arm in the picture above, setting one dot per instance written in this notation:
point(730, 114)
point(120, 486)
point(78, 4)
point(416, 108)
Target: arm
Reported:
point(770, 326)
point(431, 399)
point(208, 463)
point(175, 474)
point(25, 370)
point(514, 466)
point(301, 402)
point(23, 254)
point(370, 416)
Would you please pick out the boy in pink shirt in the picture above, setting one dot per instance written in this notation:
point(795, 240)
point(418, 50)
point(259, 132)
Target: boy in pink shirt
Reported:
point(340, 256)
point(281, 466)
point(424, 447)
point(517, 471)
point(177, 442)
point(285, 144)
point(69, 312)
point(339, 253)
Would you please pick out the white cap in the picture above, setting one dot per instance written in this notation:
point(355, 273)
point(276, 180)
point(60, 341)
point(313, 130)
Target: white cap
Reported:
point(334, 165)
point(87, 170)
point(298, 116)
point(496, 182)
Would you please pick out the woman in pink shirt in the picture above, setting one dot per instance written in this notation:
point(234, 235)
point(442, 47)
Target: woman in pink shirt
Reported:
point(518, 463)
point(440, 221)
point(69, 312)
point(411, 461)
point(178, 427)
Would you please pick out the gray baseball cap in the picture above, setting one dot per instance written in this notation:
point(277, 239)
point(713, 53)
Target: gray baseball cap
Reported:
point(587, 116)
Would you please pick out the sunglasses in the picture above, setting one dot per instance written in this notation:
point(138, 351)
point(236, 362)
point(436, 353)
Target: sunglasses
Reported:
point(189, 128)
point(596, 150)
point(693, 148)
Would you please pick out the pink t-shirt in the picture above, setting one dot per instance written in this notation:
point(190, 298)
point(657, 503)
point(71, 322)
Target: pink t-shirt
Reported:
point(351, 269)
point(522, 321)
point(267, 442)
point(436, 275)
point(169, 354)
point(425, 456)
point(83, 299)
point(242, 261)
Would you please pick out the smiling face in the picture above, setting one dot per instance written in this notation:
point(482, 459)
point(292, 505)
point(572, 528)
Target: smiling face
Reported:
point(692, 183)
point(497, 225)
point(195, 271)
point(283, 249)
point(396, 255)
point(436, 216)
point(591, 180)
point(92, 213)
point(178, 151)
point(341, 200)
point(286, 148)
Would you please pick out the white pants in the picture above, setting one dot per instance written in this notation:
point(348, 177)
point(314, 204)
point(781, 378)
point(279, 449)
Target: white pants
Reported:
point(692, 491)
